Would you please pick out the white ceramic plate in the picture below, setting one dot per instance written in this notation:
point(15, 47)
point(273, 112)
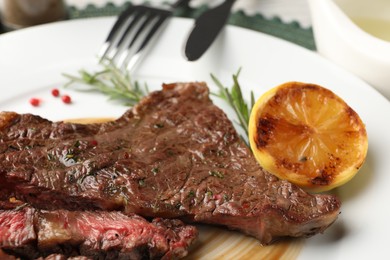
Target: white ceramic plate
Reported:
point(32, 61)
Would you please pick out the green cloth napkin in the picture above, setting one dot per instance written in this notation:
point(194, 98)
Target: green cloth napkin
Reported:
point(292, 32)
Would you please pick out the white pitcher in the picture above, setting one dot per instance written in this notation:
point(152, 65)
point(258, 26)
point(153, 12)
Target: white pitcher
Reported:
point(356, 35)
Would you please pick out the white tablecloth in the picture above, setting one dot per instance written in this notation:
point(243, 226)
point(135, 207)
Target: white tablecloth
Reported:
point(287, 10)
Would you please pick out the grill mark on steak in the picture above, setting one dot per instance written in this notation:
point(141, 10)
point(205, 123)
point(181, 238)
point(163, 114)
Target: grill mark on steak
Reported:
point(31, 233)
point(175, 154)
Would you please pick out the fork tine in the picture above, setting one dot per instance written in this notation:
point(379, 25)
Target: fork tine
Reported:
point(137, 16)
point(121, 19)
point(146, 22)
point(129, 63)
point(132, 32)
point(153, 30)
point(114, 30)
point(140, 31)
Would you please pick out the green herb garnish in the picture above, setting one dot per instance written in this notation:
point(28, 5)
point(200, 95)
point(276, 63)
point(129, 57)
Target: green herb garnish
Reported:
point(155, 171)
point(111, 81)
point(141, 182)
point(50, 157)
point(217, 174)
point(233, 96)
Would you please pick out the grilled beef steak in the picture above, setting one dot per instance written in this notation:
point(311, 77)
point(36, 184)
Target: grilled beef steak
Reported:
point(174, 155)
point(32, 233)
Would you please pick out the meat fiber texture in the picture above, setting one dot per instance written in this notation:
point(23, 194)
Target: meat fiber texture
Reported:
point(174, 155)
point(59, 234)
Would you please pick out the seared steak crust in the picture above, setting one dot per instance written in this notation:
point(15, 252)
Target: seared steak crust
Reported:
point(59, 234)
point(174, 155)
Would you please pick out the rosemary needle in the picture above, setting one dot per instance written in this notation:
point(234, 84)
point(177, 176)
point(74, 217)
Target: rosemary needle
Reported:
point(111, 81)
point(235, 99)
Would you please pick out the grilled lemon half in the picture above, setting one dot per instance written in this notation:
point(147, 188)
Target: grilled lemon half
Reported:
point(308, 135)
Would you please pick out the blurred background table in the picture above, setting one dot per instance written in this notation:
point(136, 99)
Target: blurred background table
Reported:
point(286, 19)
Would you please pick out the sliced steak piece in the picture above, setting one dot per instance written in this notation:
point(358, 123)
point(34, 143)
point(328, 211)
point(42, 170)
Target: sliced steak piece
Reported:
point(32, 233)
point(17, 231)
point(63, 257)
point(174, 155)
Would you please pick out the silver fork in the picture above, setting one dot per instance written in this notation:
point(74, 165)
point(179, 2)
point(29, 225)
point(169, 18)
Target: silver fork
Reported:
point(134, 29)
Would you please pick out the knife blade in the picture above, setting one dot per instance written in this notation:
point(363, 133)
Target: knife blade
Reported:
point(206, 29)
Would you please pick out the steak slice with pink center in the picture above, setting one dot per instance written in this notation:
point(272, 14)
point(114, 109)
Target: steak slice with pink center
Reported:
point(32, 233)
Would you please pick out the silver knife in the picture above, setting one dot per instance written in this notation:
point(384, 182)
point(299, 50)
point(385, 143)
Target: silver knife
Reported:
point(206, 29)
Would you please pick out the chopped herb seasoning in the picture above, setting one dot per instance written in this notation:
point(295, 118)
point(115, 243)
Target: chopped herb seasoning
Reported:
point(158, 125)
point(170, 152)
point(209, 193)
point(225, 197)
point(141, 182)
point(155, 171)
point(112, 189)
point(191, 194)
point(178, 205)
point(12, 147)
point(50, 157)
point(71, 178)
point(91, 166)
point(69, 156)
point(155, 207)
point(303, 159)
point(216, 174)
point(69, 153)
point(220, 153)
point(77, 144)
point(226, 138)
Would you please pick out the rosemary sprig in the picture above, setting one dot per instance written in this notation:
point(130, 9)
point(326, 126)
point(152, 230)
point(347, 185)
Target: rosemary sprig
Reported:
point(235, 99)
point(117, 85)
point(111, 81)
